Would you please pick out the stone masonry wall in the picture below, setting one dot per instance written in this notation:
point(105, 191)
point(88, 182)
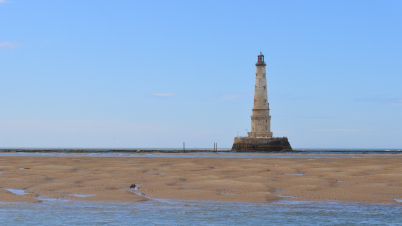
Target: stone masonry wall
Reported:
point(277, 144)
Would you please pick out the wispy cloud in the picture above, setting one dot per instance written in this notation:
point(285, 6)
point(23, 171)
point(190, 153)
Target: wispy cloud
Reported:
point(206, 132)
point(4, 1)
point(10, 45)
point(339, 130)
point(231, 96)
point(163, 94)
point(388, 101)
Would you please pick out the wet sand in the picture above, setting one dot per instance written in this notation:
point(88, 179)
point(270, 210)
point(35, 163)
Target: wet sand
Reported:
point(367, 178)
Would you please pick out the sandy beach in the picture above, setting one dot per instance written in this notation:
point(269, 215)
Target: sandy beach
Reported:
point(364, 178)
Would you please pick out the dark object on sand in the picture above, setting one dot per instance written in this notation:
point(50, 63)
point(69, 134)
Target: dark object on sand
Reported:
point(132, 186)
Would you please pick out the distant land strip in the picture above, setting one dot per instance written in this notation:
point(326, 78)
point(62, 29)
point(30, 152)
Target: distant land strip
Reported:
point(194, 150)
point(113, 150)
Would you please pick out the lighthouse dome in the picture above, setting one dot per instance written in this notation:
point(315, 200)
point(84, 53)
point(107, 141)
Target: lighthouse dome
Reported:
point(260, 61)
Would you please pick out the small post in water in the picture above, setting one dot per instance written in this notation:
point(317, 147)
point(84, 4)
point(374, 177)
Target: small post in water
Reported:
point(184, 146)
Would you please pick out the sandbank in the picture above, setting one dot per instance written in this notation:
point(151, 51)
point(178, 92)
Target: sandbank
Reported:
point(368, 178)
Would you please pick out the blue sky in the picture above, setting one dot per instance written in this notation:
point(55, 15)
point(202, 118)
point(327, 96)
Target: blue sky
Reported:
point(142, 74)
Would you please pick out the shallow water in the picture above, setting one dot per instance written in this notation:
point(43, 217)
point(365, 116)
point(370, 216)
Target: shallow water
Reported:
point(123, 151)
point(198, 213)
point(247, 156)
point(16, 191)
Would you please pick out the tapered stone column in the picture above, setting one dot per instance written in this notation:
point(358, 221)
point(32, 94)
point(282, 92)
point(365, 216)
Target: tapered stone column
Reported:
point(260, 138)
point(260, 119)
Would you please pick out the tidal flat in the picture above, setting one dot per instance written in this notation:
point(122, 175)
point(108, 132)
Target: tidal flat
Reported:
point(351, 178)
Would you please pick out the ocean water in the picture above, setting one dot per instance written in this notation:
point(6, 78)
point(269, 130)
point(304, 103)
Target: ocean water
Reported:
point(313, 153)
point(192, 151)
point(170, 212)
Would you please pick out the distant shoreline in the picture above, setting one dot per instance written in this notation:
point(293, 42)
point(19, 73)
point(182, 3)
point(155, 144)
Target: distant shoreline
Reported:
point(195, 150)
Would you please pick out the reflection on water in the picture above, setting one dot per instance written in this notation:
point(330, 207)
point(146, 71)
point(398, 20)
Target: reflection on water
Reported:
point(198, 213)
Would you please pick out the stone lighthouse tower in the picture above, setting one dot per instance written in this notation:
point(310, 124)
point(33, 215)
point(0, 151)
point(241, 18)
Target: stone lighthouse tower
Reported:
point(260, 119)
point(261, 138)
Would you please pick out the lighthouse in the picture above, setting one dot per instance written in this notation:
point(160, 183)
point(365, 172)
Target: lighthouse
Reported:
point(261, 138)
point(260, 118)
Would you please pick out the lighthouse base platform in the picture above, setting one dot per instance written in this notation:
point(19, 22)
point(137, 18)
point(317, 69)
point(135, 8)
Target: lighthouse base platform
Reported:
point(274, 144)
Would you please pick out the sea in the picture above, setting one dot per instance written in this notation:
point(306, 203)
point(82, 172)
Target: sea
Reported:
point(183, 212)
